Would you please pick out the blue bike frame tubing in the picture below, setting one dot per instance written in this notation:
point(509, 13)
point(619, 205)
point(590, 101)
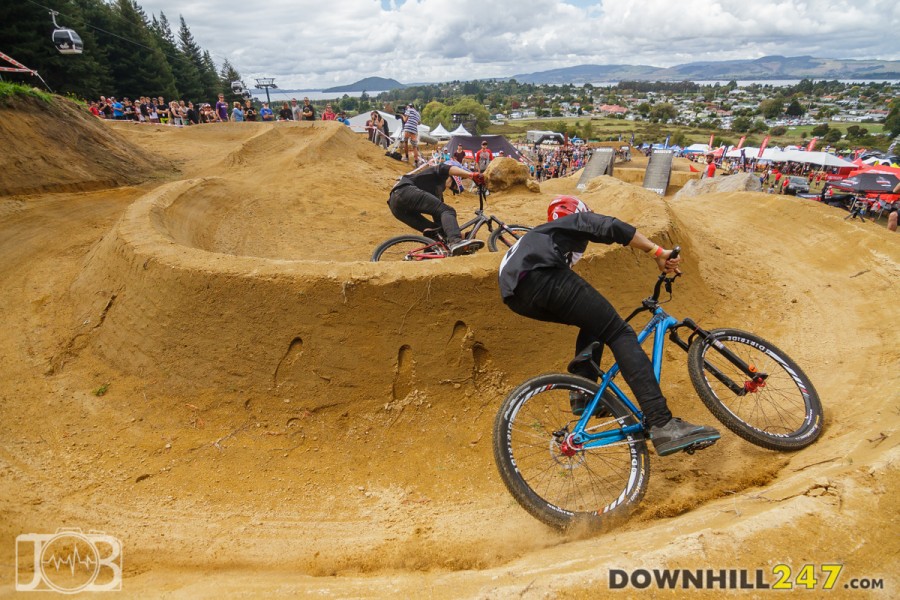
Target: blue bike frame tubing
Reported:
point(659, 325)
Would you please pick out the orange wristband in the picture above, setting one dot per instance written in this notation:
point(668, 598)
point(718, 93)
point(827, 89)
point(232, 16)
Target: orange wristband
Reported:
point(659, 251)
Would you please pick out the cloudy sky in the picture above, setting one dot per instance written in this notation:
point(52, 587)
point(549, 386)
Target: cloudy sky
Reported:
point(306, 44)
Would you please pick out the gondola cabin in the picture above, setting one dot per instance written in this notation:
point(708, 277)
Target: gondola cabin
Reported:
point(67, 41)
point(237, 87)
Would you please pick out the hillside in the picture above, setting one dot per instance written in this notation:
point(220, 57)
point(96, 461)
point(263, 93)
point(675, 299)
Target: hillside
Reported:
point(369, 84)
point(769, 67)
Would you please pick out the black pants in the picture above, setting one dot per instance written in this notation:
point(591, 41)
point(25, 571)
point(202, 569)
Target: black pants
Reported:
point(408, 203)
point(562, 296)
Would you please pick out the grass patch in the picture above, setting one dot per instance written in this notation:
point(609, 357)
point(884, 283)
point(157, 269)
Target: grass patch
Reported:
point(11, 90)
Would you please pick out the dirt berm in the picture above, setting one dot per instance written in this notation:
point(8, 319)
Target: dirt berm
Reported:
point(200, 360)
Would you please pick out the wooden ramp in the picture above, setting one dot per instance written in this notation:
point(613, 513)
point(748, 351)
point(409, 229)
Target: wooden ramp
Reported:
point(601, 163)
point(659, 170)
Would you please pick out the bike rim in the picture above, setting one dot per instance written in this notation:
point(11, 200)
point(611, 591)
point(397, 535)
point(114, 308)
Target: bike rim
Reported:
point(569, 480)
point(780, 408)
point(412, 251)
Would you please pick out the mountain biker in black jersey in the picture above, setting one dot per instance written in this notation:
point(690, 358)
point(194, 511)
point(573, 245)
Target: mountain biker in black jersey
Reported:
point(536, 281)
point(421, 192)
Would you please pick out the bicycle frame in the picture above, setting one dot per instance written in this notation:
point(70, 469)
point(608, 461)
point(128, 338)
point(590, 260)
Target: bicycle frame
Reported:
point(660, 324)
point(480, 218)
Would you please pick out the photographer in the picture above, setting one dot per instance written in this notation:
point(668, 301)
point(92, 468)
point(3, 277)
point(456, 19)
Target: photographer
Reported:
point(411, 119)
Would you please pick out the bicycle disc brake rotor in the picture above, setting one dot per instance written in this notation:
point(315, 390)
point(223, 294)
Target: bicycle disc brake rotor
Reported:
point(565, 452)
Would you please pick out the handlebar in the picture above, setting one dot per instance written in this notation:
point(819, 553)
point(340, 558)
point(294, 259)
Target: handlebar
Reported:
point(662, 279)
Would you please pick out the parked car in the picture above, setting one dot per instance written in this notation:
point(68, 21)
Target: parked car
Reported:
point(797, 185)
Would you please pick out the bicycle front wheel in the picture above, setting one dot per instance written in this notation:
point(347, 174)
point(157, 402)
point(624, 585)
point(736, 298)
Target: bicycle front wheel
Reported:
point(505, 236)
point(781, 413)
point(558, 483)
point(409, 248)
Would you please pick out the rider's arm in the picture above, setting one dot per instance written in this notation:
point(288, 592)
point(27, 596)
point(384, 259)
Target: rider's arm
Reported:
point(659, 254)
point(458, 172)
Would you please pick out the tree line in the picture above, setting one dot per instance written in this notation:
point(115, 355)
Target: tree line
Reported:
point(126, 53)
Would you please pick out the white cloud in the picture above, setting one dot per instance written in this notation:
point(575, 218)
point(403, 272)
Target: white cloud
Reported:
point(310, 44)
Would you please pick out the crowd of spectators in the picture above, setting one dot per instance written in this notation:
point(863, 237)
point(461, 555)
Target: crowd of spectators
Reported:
point(557, 162)
point(183, 113)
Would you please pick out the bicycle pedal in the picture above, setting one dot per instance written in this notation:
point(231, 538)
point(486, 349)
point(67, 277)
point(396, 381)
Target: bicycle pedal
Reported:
point(699, 446)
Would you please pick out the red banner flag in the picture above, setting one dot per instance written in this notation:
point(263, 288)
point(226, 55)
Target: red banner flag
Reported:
point(693, 170)
point(711, 136)
point(812, 144)
point(741, 143)
point(763, 147)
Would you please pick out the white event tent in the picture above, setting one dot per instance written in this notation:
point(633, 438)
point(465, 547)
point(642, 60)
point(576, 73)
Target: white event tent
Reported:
point(440, 132)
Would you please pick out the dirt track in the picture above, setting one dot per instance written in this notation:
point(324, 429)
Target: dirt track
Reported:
point(283, 418)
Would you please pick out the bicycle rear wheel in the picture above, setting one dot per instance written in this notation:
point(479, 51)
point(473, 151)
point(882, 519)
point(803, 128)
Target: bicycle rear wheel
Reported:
point(783, 413)
point(563, 486)
point(505, 237)
point(409, 248)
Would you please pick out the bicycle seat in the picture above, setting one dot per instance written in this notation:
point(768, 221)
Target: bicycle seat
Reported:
point(586, 358)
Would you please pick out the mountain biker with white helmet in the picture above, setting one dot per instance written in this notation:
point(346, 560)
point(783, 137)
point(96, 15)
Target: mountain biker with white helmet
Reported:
point(536, 281)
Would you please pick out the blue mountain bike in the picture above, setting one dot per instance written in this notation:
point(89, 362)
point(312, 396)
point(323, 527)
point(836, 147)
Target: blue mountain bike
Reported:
point(591, 468)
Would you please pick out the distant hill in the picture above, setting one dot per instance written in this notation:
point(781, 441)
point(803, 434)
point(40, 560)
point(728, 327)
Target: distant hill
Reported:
point(369, 84)
point(768, 67)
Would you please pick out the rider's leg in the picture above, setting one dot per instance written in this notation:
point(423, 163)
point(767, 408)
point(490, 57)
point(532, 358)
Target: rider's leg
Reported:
point(411, 199)
point(561, 296)
point(413, 218)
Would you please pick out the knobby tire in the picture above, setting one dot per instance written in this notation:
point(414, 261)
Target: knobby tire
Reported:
point(784, 414)
point(594, 487)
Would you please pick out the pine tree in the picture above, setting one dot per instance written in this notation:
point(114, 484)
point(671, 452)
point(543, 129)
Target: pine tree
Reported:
point(227, 75)
point(212, 87)
point(140, 67)
point(193, 89)
point(187, 77)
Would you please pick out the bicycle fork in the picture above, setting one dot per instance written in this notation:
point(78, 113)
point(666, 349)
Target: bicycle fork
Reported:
point(755, 379)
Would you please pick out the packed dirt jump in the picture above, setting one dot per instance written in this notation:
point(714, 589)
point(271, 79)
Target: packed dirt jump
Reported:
point(199, 359)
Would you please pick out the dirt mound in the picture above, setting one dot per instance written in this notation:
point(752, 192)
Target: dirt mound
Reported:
point(739, 182)
point(506, 173)
point(59, 146)
point(211, 370)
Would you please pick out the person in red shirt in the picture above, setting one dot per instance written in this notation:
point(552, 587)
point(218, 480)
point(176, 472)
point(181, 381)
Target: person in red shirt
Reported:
point(483, 158)
point(710, 167)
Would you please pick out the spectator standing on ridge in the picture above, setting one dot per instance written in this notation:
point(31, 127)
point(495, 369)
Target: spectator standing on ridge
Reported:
point(221, 109)
point(285, 113)
point(328, 115)
point(118, 110)
point(193, 117)
point(265, 113)
point(710, 171)
point(411, 120)
point(309, 111)
point(237, 115)
point(459, 155)
point(296, 110)
point(483, 158)
point(249, 111)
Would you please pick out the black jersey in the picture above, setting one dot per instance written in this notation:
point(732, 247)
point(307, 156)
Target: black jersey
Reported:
point(554, 244)
point(431, 179)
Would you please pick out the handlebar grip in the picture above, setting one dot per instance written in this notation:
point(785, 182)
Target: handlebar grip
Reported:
point(675, 252)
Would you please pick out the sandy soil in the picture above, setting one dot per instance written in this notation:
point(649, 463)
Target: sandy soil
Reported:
point(200, 360)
